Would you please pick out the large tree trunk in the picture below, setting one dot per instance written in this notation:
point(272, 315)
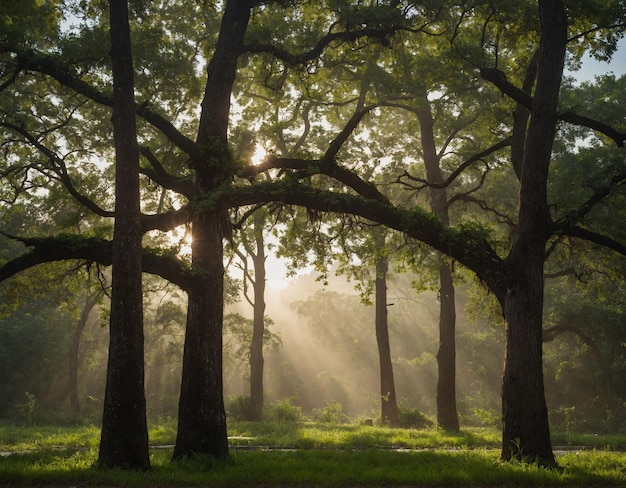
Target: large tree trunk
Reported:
point(201, 415)
point(124, 441)
point(258, 327)
point(389, 404)
point(447, 416)
point(526, 432)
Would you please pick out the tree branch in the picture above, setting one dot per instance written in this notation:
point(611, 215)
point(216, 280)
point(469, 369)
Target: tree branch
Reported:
point(49, 65)
point(68, 247)
point(466, 247)
point(159, 174)
point(591, 236)
point(61, 170)
point(499, 79)
point(379, 35)
point(454, 175)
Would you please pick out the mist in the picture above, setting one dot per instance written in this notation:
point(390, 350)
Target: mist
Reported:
point(328, 351)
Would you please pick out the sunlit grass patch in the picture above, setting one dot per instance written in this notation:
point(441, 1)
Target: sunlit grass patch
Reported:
point(310, 435)
point(20, 438)
point(323, 455)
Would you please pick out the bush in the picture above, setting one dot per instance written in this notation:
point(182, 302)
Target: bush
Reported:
point(28, 412)
point(486, 418)
point(332, 413)
point(238, 407)
point(285, 411)
point(411, 417)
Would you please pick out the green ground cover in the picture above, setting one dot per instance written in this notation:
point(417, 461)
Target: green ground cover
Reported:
point(311, 455)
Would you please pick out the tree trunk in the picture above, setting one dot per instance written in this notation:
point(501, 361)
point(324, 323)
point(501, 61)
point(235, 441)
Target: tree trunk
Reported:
point(124, 440)
point(447, 415)
point(258, 327)
point(90, 302)
point(389, 404)
point(201, 415)
point(526, 432)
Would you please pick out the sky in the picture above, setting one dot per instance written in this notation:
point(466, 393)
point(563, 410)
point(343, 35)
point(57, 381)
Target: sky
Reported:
point(592, 68)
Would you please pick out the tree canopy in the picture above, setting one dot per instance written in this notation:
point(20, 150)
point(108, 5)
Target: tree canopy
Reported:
point(334, 91)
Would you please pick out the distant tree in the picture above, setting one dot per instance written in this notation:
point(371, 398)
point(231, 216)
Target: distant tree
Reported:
point(254, 247)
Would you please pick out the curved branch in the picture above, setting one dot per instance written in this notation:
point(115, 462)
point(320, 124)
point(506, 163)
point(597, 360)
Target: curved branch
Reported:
point(597, 197)
point(48, 65)
point(159, 174)
point(591, 236)
point(70, 247)
point(379, 35)
point(466, 247)
point(61, 170)
point(468, 162)
point(316, 166)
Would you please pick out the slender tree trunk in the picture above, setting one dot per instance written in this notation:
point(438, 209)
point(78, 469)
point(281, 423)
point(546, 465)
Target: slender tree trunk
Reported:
point(201, 415)
point(526, 432)
point(389, 404)
point(447, 415)
point(90, 302)
point(124, 441)
point(258, 327)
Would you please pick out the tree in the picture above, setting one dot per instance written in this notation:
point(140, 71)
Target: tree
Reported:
point(319, 64)
point(257, 252)
point(389, 404)
point(124, 440)
point(91, 300)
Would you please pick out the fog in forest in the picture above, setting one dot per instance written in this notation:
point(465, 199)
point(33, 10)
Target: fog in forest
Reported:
point(322, 352)
point(328, 351)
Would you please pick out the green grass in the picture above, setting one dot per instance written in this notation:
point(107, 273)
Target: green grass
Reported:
point(322, 455)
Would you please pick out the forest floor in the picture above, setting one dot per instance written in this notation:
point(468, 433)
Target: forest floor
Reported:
point(310, 454)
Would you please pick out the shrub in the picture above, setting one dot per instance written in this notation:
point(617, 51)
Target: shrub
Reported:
point(411, 417)
point(28, 411)
point(331, 413)
point(285, 411)
point(238, 407)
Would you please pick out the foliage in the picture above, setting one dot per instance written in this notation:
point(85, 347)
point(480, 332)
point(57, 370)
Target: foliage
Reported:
point(411, 417)
point(331, 89)
point(331, 413)
point(285, 411)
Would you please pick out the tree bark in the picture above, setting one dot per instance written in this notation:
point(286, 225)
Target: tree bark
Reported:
point(447, 415)
point(201, 414)
point(389, 403)
point(526, 432)
point(124, 441)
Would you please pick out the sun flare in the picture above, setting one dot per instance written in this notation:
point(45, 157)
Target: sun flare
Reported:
point(259, 155)
point(179, 237)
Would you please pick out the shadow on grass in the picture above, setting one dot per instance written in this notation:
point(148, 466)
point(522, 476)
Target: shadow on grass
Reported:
point(337, 468)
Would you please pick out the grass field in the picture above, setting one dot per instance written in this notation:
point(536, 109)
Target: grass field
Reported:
point(309, 454)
